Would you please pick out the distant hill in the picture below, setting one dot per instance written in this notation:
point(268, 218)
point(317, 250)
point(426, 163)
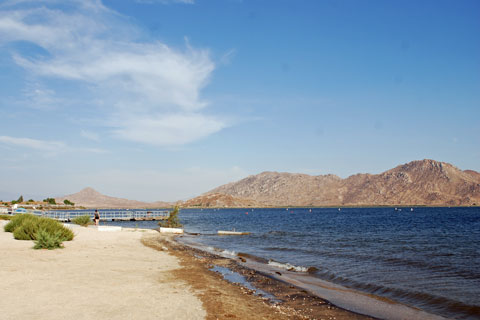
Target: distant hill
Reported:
point(91, 198)
point(424, 182)
point(216, 200)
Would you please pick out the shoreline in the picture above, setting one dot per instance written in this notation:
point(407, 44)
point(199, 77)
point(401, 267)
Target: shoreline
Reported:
point(116, 274)
point(191, 271)
point(283, 285)
point(242, 302)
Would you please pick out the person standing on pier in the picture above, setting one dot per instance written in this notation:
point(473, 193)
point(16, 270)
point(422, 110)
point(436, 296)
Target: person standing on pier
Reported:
point(96, 217)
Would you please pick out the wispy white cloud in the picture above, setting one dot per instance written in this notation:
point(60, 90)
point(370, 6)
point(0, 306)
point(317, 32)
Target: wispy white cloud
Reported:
point(149, 92)
point(33, 143)
point(90, 135)
point(38, 97)
point(90, 150)
point(167, 129)
point(48, 147)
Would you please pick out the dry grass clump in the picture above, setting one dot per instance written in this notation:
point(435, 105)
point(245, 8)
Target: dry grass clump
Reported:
point(5, 217)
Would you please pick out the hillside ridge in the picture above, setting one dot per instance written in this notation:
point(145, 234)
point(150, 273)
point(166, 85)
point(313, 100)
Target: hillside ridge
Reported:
point(419, 182)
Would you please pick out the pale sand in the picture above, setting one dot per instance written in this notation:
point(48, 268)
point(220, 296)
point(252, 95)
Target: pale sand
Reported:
point(98, 275)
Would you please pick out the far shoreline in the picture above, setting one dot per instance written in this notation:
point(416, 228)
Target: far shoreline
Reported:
point(278, 207)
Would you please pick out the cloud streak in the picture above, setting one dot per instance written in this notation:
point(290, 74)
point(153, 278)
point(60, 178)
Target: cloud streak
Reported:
point(147, 91)
point(48, 147)
point(33, 143)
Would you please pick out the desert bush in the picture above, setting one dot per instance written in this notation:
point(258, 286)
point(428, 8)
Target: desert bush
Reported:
point(26, 231)
point(48, 241)
point(53, 226)
point(84, 220)
point(5, 217)
point(172, 221)
point(17, 220)
point(26, 227)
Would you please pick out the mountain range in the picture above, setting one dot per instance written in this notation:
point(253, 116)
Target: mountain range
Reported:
point(424, 182)
point(90, 198)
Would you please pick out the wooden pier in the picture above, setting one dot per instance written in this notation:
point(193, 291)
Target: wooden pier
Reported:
point(110, 215)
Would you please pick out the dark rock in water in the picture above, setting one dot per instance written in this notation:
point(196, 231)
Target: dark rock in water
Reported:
point(278, 273)
point(312, 269)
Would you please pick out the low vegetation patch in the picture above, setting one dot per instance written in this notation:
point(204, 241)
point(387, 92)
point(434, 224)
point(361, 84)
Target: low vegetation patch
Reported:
point(5, 217)
point(47, 233)
point(84, 220)
point(17, 220)
point(172, 221)
point(48, 241)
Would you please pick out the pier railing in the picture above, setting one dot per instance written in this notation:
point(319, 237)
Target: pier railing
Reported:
point(110, 215)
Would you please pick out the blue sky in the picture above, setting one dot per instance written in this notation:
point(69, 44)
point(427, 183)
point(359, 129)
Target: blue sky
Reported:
point(164, 100)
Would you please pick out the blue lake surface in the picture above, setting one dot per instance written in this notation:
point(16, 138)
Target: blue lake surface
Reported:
point(427, 258)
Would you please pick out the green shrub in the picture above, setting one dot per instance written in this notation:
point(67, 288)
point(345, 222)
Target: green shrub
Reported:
point(26, 231)
point(48, 241)
point(84, 220)
point(26, 227)
point(172, 221)
point(53, 226)
point(5, 217)
point(17, 220)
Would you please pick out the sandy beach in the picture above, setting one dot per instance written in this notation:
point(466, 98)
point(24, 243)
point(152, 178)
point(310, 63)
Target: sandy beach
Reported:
point(98, 275)
point(134, 274)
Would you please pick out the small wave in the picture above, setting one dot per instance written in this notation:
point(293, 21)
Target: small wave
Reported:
point(229, 252)
point(296, 250)
point(223, 251)
point(291, 267)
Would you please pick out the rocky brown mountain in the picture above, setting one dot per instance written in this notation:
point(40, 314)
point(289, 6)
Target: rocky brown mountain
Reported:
point(216, 200)
point(90, 198)
point(424, 182)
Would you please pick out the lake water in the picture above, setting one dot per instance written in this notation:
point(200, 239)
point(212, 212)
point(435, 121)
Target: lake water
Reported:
point(428, 258)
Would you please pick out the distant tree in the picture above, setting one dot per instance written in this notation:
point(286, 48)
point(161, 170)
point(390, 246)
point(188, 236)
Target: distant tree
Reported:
point(50, 201)
point(68, 202)
point(20, 199)
point(31, 200)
